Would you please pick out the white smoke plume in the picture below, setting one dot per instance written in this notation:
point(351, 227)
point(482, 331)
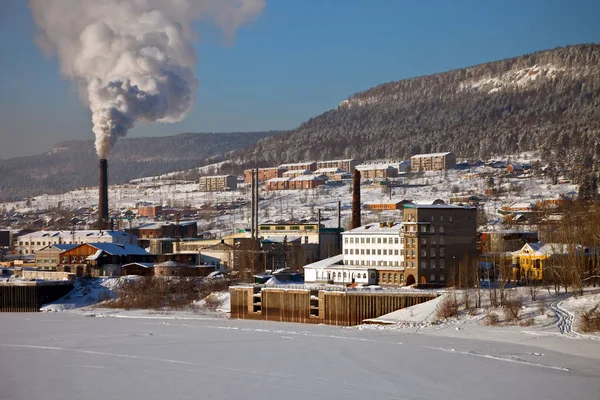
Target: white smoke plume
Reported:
point(132, 59)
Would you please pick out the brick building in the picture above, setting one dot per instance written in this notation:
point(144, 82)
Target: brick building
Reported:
point(377, 171)
point(433, 162)
point(264, 174)
point(347, 165)
point(309, 165)
point(217, 183)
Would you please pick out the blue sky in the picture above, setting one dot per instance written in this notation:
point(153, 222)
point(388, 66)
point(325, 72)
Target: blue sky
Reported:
point(299, 59)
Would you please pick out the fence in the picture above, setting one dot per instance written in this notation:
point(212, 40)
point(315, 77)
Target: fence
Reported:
point(319, 306)
point(30, 296)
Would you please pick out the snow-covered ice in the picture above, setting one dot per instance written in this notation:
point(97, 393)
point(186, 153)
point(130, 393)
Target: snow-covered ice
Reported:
point(66, 356)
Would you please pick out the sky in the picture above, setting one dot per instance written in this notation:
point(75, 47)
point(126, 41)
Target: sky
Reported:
point(298, 59)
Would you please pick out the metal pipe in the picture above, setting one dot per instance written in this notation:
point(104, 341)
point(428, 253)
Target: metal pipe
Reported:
point(103, 195)
point(356, 199)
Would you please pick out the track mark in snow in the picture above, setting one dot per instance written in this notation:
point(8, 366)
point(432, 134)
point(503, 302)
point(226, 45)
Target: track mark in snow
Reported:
point(565, 318)
point(511, 359)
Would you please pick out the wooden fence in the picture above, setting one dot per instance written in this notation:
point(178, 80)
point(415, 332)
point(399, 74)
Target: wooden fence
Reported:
point(30, 296)
point(344, 308)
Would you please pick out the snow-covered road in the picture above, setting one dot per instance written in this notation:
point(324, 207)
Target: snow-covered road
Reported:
point(68, 356)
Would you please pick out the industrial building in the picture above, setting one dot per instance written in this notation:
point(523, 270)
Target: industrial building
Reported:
point(433, 162)
point(217, 183)
point(32, 242)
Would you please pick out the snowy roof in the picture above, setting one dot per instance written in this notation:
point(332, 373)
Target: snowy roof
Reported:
point(68, 234)
point(141, 264)
point(61, 246)
point(442, 206)
point(216, 176)
point(376, 227)
point(429, 201)
point(369, 167)
point(280, 239)
point(307, 178)
point(326, 263)
point(329, 170)
point(300, 164)
point(546, 249)
point(116, 249)
point(158, 225)
point(283, 179)
point(431, 155)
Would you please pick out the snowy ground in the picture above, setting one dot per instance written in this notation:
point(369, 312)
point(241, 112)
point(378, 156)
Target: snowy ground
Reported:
point(67, 356)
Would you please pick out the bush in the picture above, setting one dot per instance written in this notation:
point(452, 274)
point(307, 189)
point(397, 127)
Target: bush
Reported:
point(491, 319)
point(542, 307)
point(590, 321)
point(512, 309)
point(527, 322)
point(447, 308)
point(211, 302)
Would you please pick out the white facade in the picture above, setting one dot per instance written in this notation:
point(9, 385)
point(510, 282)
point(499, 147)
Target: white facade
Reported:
point(374, 245)
point(32, 242)
point(331, 271)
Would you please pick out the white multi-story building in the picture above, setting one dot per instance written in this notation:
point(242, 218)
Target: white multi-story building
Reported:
point(30, 243)
point(378, 244)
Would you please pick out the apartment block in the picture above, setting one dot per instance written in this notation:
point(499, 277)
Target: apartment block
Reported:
point(309, 165)
point(217, 183)
point(433, 162)
point(264, 174)
point(437, 238)
point(377, 171)
point(347, 165)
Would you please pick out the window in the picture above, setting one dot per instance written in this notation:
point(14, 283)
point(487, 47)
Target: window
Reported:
point(433, 229)
point(351, 251)
point(412, 241)
point(441, 229)
point(362, 251)
point(351, 240)
point(395, 278)
point(441, 241)
point(423, 241)
point(385, 252)
point(442, 278)
point(441, 218)
point(423, 264)
point(368, 240)
point(442, 252)
point(413, 253)
point(346, 240)
point(433, 240)
point(345, 251)
point(396, 252)
point(401, 240)
point(432, 264)
point(432, 218)
point(442, 264)
point(450, 218)
point(401, 252)
point(432, 278)
point(378, 252)
point(423, 253)
point(368, 252)
point(378, 240)
point(432, 253)
point(395, 240)
point(423, 228)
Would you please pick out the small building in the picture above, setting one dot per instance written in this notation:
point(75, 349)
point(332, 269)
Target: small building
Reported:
point(101, 259)
point(277, 184)
point(331, 271)
point(433, 162)
point(264, 174)
point(48, 257)
point(306, 182)
point(347, 165)
point(384, 205)
point(139, 269)
point(149, 211)
point(377, 170)
point(532, 259)
point(221, 256)
point(329, 172)
point(292, 173)
point(217, 183)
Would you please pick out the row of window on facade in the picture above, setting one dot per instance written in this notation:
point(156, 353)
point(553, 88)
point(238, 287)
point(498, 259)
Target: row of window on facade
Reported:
point(424, 241)
point(329, 276)
point(405, 264)
point(385, 252)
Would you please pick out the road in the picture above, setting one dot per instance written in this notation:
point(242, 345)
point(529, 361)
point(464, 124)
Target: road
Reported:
point(68, 356)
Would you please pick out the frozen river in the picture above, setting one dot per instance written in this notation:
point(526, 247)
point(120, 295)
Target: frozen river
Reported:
point(66, 356)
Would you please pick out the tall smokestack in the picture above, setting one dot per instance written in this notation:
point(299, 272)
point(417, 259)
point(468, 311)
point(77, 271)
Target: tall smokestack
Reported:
point(356, 199)
point(103, 193)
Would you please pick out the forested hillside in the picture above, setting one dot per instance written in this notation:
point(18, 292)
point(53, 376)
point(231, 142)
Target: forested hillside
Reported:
point(548, 101)
point(75, 164)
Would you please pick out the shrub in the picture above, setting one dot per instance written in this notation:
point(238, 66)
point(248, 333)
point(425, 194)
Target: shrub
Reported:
point(589, 321)
point(512, 309)
point(491, 319)
point(447, 308)
point(541, 307)
point(527, 322)
point(211, 302)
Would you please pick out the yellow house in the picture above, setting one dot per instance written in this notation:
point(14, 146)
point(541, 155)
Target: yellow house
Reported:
point(529, 262)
